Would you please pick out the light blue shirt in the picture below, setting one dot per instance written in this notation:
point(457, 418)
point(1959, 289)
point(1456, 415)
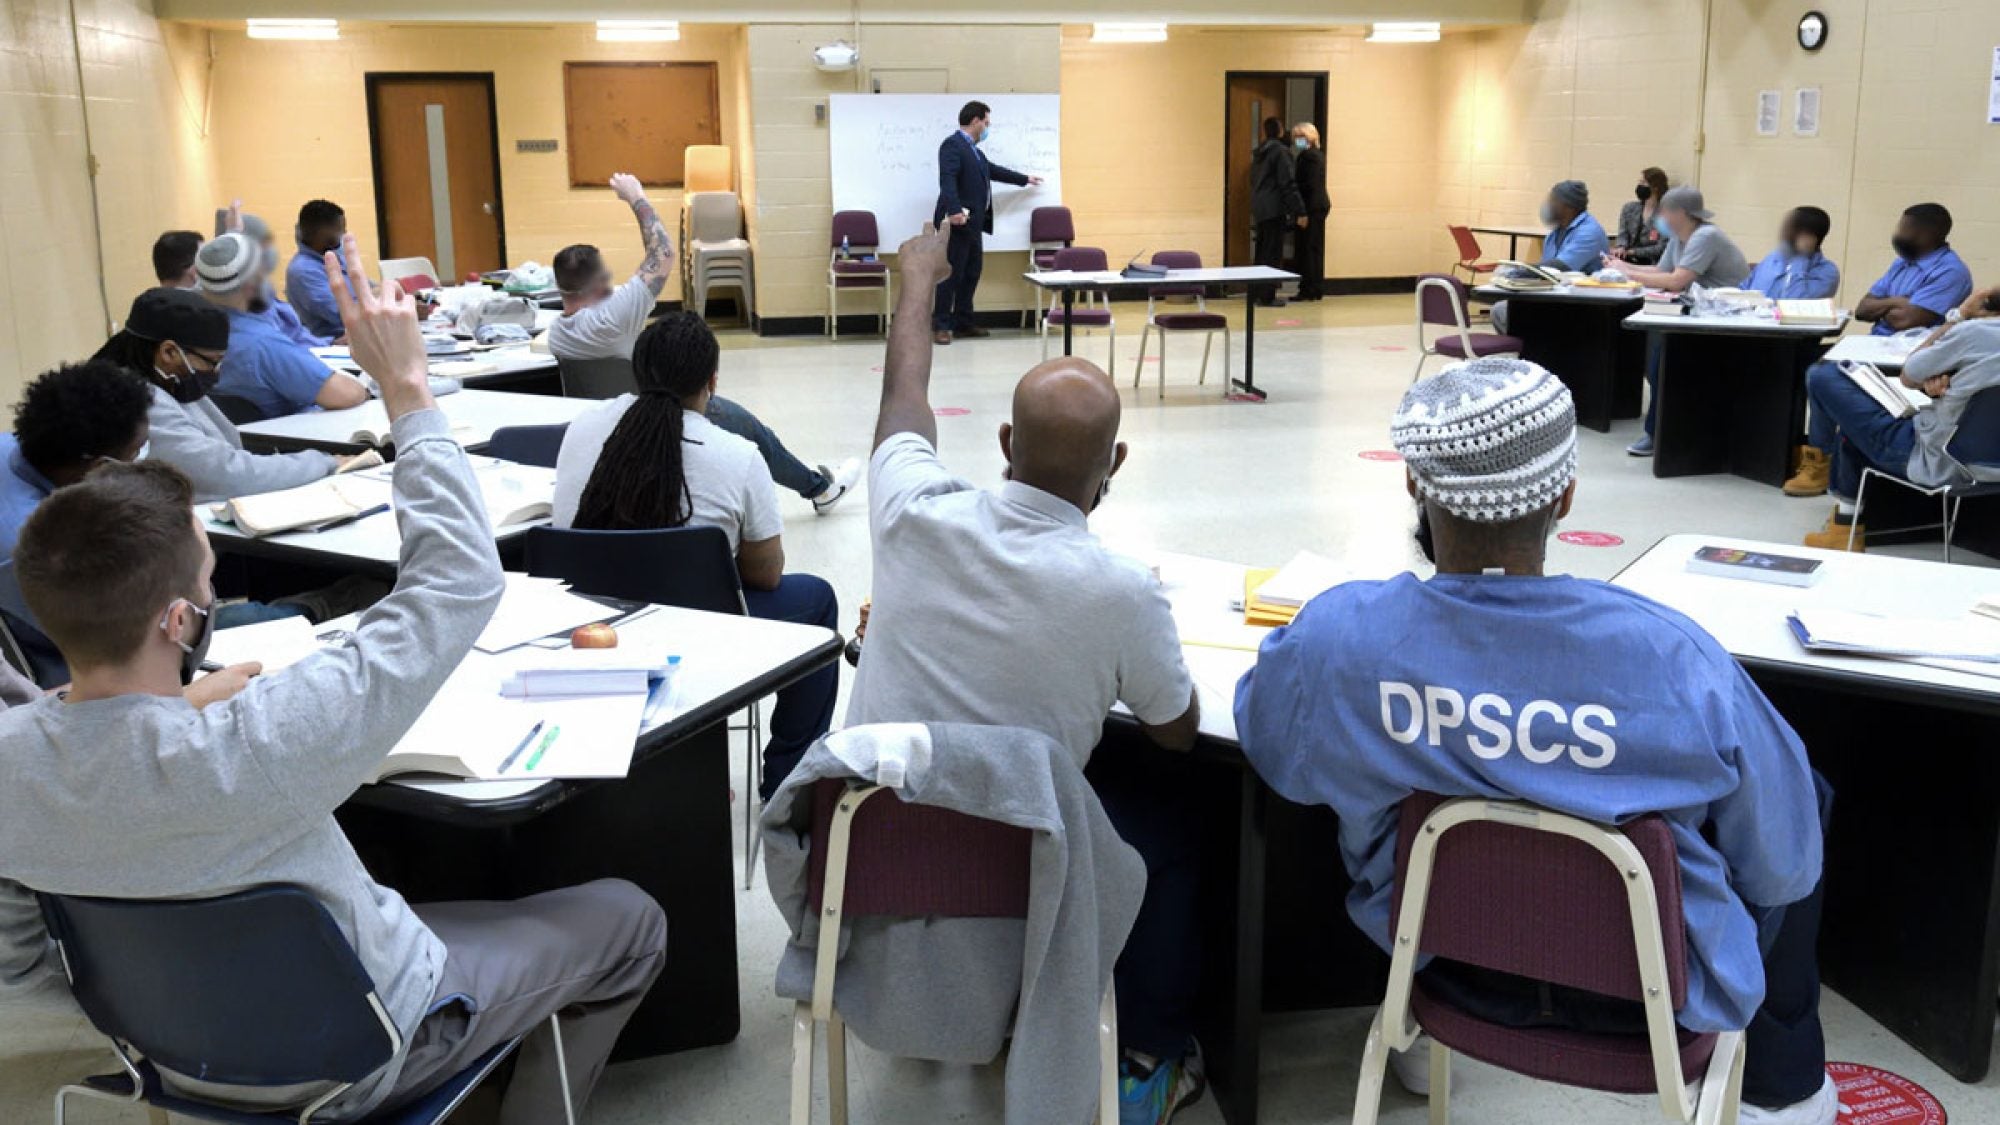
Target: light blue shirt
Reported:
point(22, 487)
point(1580, 246)
point(268, 370)
point(1938, 281)
point(1785, 276)
point(286, 318)
point(1567, 693)
point(307, 288)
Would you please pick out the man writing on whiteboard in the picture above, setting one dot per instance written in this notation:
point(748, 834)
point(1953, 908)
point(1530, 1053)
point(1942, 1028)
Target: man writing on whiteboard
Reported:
point(965, 202)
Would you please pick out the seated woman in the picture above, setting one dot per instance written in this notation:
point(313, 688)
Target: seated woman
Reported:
point(1639, 239)
point(654, 460)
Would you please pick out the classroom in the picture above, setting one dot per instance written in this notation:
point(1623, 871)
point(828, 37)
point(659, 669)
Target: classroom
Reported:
point(1199, 561)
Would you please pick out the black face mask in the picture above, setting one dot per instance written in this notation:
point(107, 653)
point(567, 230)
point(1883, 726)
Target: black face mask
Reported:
point(1905, 249)
point(1644, 192)
point(190, 386)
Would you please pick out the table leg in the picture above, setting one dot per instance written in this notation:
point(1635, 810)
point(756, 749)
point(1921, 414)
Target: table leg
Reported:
point(1248, 383)
point(1069, 307)
point(1235, 1059)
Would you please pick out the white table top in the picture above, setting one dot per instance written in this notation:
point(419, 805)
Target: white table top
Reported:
point(1112, 279)
point(1882, 351)
point(1748, 617)
point(1579, 293)
point(377, 539)
point(474, 416)
point(1749, 324)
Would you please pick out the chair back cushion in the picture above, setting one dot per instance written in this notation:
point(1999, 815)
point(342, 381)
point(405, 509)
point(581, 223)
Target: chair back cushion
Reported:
point(914, 861)
point(528, 445)
point(1547, 907)
point(1082, 259)
point(858, 228)
point(257, 988)
point(1051, 224)
point(606, 377)
point(1440, 299)
point(1178, 260)
point(689, 567)
point(1468, 246)
point(1978, 439)
point(239, 411)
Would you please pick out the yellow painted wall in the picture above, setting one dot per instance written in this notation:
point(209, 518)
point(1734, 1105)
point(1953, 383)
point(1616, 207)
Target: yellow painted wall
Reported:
point(291, 120)
point(146, 89)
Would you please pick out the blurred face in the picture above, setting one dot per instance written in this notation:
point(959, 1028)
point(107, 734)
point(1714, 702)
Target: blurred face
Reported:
point(1913, 239)
point(1679, 221)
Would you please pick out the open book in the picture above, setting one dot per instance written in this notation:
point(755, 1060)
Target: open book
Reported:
point(1893, 395)
point(1818, 314)
point(1524, 278)
point(310, 507)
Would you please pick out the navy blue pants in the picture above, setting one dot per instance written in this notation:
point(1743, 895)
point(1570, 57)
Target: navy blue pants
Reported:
point(1854, 430)
point(804, 711)
point(966, 251)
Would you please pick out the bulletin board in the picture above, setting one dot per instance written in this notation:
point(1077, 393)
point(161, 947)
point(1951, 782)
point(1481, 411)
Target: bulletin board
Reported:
point(638, 117)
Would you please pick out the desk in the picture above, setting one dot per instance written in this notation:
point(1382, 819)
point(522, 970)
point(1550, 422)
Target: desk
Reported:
point(474, 416)
point(1911, 932)
point(665, 827)
point(1732, 393)
point(1574, 332)
point(1886, 352)
point(1514, 237)
point(1069, 283)
point(517, 367)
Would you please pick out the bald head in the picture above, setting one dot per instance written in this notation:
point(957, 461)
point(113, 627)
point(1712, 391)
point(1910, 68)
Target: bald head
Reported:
point(1064, 438)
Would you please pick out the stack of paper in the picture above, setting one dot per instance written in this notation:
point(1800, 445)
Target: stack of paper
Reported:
point(1861, 634)
point(1274, 597)
point(533, 608)
point(274, 644)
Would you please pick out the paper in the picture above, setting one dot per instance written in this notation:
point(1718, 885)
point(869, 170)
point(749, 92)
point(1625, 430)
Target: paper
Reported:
point(1862, 634)
point(274, 644)
point(1805, 121)
point(1993, 97)
point(1306, 577)
point(1767, 112)
point(533, 608)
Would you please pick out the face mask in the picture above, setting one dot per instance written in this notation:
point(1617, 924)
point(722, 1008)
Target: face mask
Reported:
point(1548, 215)
point(1905, 249)
point(191, 387)
point(985, 135)
point(193, 654)
point(1299, 143)
point(1644, 192)
point(145, 447)
point(1660, 225)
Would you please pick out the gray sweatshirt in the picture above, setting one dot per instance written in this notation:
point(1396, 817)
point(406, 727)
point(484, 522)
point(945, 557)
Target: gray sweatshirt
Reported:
point(145, 797)
point(195, 438)
point(1970, 354)
point(952, 989)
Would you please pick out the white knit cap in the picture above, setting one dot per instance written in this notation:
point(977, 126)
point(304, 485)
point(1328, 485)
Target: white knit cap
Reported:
point(227, 263)
point(1489, 441)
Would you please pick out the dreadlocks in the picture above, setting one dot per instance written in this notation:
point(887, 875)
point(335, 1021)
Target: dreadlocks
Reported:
point(639, 482)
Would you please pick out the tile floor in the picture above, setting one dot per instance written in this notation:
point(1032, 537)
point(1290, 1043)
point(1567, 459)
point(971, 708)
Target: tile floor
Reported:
point(1247, 482)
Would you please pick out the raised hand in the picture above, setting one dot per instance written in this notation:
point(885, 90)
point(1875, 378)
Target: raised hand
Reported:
point(922, 260)
point(382, 332)
point(627, 187)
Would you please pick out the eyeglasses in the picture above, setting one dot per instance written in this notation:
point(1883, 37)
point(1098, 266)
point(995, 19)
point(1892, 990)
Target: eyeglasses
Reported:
point(211, 359)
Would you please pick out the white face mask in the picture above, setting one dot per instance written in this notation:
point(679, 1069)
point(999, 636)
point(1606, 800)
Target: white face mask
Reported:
point(145, 448)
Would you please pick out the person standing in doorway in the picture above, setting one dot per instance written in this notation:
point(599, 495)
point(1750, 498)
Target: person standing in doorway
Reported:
point(1274, 200)
point(1311, 240)
point(965, 202)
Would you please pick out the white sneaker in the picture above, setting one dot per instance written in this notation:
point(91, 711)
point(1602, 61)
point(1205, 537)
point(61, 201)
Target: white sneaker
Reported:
point(1822, 1108)
point(841, 482)
point(1413, 1067)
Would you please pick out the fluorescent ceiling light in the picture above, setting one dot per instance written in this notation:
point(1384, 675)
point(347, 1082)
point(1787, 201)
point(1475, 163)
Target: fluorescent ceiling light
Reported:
point(1128, 33)
point(638, 31)
point(1405, 32)
point(293, 29)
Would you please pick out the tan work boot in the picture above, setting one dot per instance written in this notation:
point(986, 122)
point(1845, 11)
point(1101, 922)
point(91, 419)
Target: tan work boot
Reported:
point(1835, 535)
point(1815, 470)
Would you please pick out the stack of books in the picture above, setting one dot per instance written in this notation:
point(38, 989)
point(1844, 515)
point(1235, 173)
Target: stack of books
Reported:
point(1274, 596)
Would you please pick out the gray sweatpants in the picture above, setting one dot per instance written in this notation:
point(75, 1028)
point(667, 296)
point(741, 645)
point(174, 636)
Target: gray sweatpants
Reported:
point(588, 952)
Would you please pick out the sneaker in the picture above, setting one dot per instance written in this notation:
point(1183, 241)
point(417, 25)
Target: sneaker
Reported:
point(1641, 448)
point(1413, 1067)
point(840, 482)
point(1822, 1108)
point(1814, 475)
point(1150, 1091)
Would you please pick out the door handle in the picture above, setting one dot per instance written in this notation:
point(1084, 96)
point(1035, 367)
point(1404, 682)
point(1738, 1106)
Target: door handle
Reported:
point(487, 207)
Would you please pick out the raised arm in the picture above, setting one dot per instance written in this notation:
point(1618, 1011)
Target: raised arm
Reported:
point(659, 260)
point(906, 374)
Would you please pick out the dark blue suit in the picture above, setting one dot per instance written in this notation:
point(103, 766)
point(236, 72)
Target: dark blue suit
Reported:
point(965, 183)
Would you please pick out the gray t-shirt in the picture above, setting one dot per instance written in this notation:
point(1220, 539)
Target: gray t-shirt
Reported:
point(1003, 609)
point(1970, 353)
point(606, 329)
point(728, 481)
point(1716, 261)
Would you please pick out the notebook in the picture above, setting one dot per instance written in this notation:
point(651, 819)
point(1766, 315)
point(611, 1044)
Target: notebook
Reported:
point(1893, 395)
point(533, 608)
point(1847, 633)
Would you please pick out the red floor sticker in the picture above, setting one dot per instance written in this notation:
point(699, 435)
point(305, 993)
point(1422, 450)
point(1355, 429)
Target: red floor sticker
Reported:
point(1380, 455)
point(1239, 396)
point(1287, 323)
point(951, 412)
point(1590, 539)
point(1876, 1097)
point(1388, 348)
point(877, 369)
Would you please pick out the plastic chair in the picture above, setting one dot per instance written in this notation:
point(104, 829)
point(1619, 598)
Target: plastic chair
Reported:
point(606, 377)
point(1441, 300)
point(1469, 253)
point(717, 253)
point(706, 168)
point(1201, 320)
point(407, 270)
point(1977, 442)
point(862, 268)
point(257, 988)
point(239, 411)
point(1518, 889)
point(1092, 315)
point(1049, 229)
point(688, 567)
point(886, 858)
point(528, 445)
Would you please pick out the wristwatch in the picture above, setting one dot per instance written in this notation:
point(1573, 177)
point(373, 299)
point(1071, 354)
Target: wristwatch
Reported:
point(1954, 316)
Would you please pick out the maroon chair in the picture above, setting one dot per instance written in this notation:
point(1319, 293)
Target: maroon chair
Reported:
point(861, 267)
point(1090, 316)
point(1049, 229)
point(1441, 300)
point(1519, 889)
point(1200, 320)
point(888, 858)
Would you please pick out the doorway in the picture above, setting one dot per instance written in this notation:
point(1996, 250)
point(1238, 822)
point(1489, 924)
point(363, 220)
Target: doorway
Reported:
point(437, 171)
point(1250, 97)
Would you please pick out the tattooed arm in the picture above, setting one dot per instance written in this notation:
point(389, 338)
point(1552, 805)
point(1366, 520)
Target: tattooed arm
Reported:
point(659, 248)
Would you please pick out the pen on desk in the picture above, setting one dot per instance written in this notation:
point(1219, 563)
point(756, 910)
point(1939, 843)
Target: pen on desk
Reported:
point(345, 520)
point(525, 739)
point(535, 759)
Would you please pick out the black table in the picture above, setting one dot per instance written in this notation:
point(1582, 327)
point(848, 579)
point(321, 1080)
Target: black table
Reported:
point(1577, 334)
point(1732, 394)
point(1257, 280)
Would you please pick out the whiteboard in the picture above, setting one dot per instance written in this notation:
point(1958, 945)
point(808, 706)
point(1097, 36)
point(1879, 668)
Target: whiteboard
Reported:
point(883, 152)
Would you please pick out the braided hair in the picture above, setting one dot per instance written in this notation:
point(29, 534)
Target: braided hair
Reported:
point(640, 481)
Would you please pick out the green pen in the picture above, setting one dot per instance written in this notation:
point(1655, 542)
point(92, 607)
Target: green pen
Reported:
point(535, 758)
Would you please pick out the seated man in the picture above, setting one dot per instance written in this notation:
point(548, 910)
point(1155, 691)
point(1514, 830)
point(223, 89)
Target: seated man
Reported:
point(1796, 270)
point(267, 303)
point(600, 322)
point(655, 460)
point(241, 793)
point(1566, 693)
point(1850, 431)
point(322, 226)
point(173, 259)
point(1059, 630)
point(1927, 280)
point(1576, 241)
point(268, 372)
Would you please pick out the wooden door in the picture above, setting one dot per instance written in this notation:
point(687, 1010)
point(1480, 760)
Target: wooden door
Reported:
point(437, 171)
point(1251, 98)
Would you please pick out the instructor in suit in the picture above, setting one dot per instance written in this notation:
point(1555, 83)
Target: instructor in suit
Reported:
point(965, 201)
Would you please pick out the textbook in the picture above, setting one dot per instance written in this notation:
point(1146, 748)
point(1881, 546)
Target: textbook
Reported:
point(1846, 633)
point(1821, 314)
point(1757, 566)
point(321, 504)
point(1521, 277)
point(1893, 395)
